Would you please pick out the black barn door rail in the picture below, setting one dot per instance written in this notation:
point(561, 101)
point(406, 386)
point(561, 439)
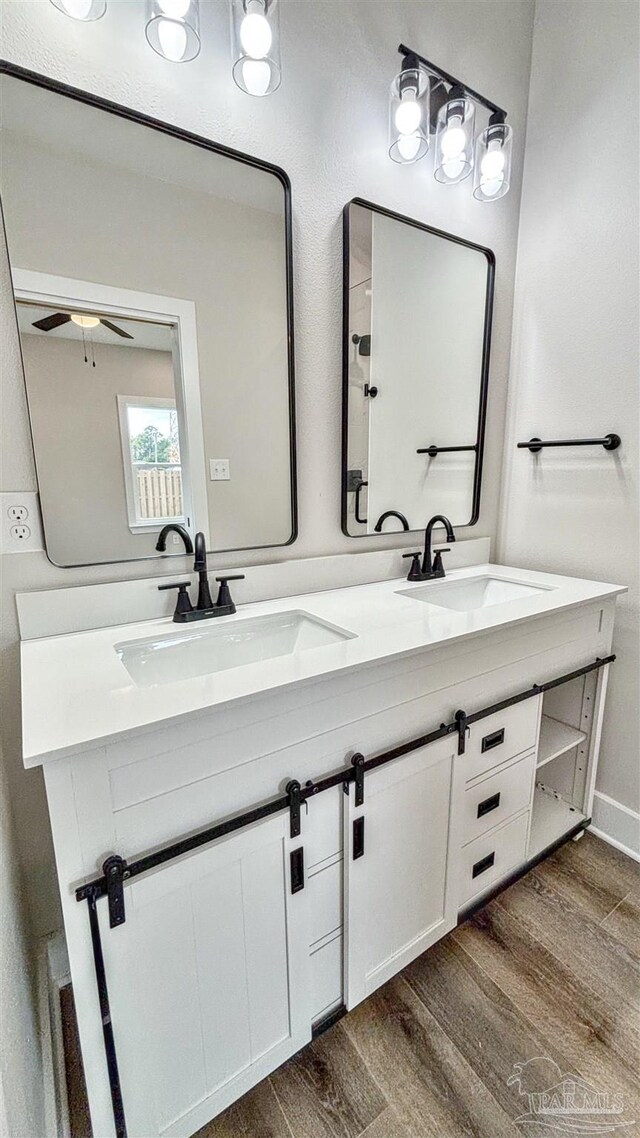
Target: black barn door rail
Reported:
point(116, 871)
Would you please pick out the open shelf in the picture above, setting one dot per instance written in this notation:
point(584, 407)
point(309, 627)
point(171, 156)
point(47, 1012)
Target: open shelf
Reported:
point(556, 738)
point(551, 818)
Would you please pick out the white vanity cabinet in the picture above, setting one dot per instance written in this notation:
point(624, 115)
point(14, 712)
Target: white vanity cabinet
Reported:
point(224, 966)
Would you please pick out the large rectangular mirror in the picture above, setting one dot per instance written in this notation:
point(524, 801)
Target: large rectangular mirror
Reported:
point(417, 330)
point(152, 278)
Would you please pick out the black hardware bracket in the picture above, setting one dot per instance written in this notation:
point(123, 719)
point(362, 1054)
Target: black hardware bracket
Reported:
point(461, 727)
point(294, 797)
point(116, 870)
point(358, 764)
point(609, 442)
point(451, 81)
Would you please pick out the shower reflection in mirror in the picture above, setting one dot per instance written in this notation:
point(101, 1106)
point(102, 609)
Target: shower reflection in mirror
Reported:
point(417, 305)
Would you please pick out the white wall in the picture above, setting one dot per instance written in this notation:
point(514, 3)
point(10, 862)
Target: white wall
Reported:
point(575, 337)
point(21, 1093)
point(327, 126)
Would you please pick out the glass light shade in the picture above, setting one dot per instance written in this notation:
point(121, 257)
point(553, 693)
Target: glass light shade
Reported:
point(492, 171)
point(255, 44)
point(173, 29)
point(453, 160)
point(409, 116)
point(81, 9)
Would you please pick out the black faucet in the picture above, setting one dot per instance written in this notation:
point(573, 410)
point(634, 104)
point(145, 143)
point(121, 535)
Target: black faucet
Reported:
point(205, 608)
point(391, 514)
point(430, 569)
point(200, 567)
point(161, 544)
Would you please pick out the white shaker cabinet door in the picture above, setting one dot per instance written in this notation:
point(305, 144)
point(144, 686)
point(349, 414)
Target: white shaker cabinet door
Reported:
point(400, 876)
point(207, 979)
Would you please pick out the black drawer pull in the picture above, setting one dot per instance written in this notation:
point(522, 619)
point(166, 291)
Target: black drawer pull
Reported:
point(358, 838)
point(296, 859)
point(493, 740)
point(483, 864)
point(488, 805)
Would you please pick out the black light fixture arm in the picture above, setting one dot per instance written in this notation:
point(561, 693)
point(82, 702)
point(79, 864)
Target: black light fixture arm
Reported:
point(498, 115)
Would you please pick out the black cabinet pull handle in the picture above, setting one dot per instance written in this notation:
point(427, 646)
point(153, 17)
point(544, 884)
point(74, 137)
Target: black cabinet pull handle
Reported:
point(483, 864)
point(488, 805)
point(493, 740)
point(358, 838)
point(296, 859)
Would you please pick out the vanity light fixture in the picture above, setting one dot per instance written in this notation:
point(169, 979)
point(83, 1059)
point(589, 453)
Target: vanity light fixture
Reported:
point(426, 100)
point(453, 161)
point(81, 9)
point(409, 113)
point(255, 43)
point(492, 170)
point(173, 29)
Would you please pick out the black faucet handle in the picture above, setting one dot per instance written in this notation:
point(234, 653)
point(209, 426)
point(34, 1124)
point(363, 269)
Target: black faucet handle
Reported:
point(438, 567)
point(415, 573)
point(183, 603)
point(224, 596)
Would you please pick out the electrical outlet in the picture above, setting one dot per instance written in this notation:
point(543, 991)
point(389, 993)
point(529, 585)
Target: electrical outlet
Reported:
point(20, 533)
point(219, 469)
point(20, 527)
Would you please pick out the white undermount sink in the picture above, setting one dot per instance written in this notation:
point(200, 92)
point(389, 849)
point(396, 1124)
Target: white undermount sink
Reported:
point(473, 593)
point(199, 651)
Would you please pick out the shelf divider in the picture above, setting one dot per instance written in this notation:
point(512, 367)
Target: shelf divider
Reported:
point(556, 738)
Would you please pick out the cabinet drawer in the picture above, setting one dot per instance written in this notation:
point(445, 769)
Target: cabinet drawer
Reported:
point(488, 803)
point(491, 856)
point(500, 737)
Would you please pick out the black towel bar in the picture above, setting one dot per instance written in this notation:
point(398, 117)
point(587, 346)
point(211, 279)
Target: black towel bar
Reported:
point(609, 442)
point(432, 451)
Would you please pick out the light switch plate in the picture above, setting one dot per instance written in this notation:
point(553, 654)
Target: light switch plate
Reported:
point(20, 525)
point(219, 469)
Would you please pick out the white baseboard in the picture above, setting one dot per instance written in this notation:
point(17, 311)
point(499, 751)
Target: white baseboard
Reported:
point(616, 824)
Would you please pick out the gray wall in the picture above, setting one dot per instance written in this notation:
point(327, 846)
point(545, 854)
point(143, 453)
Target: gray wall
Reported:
point(575, 337)
point(75, 420)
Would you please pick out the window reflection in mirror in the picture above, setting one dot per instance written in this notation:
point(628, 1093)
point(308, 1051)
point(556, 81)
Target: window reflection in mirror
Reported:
point(185, 251)
point(416, 355)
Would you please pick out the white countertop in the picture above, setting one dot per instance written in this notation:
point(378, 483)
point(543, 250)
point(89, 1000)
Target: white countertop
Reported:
point(76, 692)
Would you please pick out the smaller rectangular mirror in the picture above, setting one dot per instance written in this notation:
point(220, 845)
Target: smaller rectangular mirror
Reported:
point(417, 330)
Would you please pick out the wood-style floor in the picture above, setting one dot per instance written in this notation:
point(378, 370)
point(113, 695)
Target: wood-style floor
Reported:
point(548, 971)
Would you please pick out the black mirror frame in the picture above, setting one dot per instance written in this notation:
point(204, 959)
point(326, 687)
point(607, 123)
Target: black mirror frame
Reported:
point(48, 84)
point(484, 371)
